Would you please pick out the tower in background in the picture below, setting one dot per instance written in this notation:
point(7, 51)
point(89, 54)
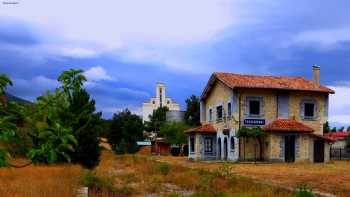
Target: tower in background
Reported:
point(160, 100)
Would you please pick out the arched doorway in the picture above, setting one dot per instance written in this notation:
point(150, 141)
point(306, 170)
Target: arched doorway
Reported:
point(225, 148)
point(219, 149)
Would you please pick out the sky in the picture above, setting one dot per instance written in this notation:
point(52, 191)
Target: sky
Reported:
point(125, 47)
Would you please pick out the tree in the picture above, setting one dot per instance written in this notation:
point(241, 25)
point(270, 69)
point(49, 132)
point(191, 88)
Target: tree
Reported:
point(81, 117)
point(326, 128)
point(341, 129)
point(156, 119)
point(254, 132)
point(348, 129)
point(192, 113)
point(174, 133)
point(334, 129)
point(126, 130)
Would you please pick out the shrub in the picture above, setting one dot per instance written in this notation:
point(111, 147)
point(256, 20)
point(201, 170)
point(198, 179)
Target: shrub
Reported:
point(304, 191)
point(164, 168)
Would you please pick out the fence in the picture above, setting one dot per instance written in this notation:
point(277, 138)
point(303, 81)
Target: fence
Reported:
point(340, 153)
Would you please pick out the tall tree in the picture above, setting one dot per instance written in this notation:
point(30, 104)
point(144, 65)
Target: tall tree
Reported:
point(126, 130)
point(348, 129)
point(192, 113)
point(341, 129)
point(156, 119)
point(82, 118)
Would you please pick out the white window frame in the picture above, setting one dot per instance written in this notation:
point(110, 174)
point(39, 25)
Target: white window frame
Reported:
point(261, 107)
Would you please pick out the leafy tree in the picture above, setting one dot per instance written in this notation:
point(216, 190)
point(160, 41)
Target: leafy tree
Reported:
point(341, 129)
point(254, 132)
point(55, 143)
point(348, 129)
point(326, 128)
point(81, 117)
point(174, 132)
point(156, 119)
point(126, 130)
point(192, 113)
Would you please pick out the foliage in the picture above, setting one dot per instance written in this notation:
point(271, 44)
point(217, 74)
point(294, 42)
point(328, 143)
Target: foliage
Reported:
point(156, 119)
point(126, 129)
point(341, 129)
point(163, 168)
point(174, 132)
point(105, 127)
point(54, 145)
point(326, 128)
point(192, 113)
point(86, 127)
point(304, 191)
point(251, 132)
point(4, 82)
point(81, 117)
point(348, 129)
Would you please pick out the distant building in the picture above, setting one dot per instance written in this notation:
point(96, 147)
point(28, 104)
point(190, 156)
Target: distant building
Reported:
point(175, 116)
point(160, 100)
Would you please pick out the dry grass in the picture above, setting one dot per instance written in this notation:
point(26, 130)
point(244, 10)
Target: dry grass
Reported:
point(135, 175)
point(37, 181)
point(330, 177)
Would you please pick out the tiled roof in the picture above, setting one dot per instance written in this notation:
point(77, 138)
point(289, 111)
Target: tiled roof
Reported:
point(270, 82)
point(287, 125)
point(322, 137)
point(337, 135)
point(205, 128)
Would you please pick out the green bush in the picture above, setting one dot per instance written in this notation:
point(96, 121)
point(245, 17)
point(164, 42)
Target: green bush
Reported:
point(164, 168)
point(91, 180)
point(304, 191)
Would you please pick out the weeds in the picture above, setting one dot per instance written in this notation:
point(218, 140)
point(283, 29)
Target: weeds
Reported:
point(163, 168)
point(304, 191)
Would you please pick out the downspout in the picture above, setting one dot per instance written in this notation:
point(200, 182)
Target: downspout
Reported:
point(239, 123)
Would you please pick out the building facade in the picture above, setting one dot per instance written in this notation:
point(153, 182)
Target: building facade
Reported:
point(160, 100)
point(291, 110)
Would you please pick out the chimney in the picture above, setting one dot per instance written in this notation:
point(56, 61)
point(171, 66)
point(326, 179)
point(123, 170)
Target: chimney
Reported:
point(316, 74)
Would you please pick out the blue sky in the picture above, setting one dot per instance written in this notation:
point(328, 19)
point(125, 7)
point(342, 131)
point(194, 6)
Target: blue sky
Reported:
point(127, 46)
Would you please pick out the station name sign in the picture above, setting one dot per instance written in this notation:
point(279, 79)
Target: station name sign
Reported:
point(254, 121)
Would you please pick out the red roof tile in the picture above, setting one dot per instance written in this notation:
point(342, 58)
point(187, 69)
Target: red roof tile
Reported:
point(270, 82)
point(337, 135)
point(205, 128)
point(287, 125)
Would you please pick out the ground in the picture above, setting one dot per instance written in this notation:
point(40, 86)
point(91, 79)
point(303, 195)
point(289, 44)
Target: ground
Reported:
point(140, 175)
point(333, 177)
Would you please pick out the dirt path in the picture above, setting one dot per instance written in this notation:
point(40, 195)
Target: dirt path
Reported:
point(331, 178)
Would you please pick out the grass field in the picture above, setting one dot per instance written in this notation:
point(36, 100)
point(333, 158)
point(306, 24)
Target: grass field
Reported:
point(135, 175)
point(40, 181)
point(331, 177)
point(139, 175)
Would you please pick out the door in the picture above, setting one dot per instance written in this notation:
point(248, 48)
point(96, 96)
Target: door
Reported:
point(289, 148)
point(219, 148)
point(225, 148)
point(318, 151)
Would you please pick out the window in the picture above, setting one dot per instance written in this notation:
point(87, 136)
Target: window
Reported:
point(208, 144)
point(229, 113)
point(254, 107)
point(309, 110)
point(168, 102)
point(153, 102)
point(219, 113)
point(192, 144)
point(232, 143)
point(210, 115)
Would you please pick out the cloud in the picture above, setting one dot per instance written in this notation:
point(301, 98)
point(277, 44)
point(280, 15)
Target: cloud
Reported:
point(97, 73)
point(79, 52)
point(339, 104)
point(32, 88)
